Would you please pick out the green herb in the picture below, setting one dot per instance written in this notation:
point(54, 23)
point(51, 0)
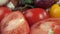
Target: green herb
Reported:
point(50, 32)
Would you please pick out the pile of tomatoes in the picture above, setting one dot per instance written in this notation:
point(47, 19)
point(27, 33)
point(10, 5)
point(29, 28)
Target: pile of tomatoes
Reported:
point(28, 19)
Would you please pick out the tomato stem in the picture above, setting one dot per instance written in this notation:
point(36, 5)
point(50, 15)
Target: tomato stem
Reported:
point(21, 8)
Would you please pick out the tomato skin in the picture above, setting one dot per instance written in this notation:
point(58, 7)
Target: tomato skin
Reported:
point(48, 26)
point(57, 30)
point(14, 23)
point(55, 11)
point(4, 11)
point(35, 14)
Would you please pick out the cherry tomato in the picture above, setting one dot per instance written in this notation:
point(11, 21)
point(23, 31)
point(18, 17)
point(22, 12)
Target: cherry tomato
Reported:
point(55, 11)
point(49, 26)
point(35, 14)
point(4, 11)
point(14, 23)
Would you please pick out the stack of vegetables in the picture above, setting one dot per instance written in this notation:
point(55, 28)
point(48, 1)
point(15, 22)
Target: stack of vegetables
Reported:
point(30, 16)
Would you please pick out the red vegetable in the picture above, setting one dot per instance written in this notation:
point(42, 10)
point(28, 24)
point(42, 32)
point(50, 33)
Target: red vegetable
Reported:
point(4, 11)
point(14, 23)
point(35, 14)
point(49, 26)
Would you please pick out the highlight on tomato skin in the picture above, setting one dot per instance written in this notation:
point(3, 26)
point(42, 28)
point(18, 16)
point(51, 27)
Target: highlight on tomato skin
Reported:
point(35, 14)
point(14, 23)
point(48, 26)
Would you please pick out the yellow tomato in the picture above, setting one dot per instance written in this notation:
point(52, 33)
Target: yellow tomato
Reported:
point(55, 11)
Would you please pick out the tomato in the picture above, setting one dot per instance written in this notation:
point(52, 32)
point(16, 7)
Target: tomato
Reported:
point(48, 26)
point(14, 23)
point(35, 14)
point(57, 30)
point(55, 11)
point(4, 11)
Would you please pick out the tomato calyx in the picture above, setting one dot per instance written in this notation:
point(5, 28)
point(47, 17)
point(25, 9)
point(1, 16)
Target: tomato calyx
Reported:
point(23, 2)
point(24, 7)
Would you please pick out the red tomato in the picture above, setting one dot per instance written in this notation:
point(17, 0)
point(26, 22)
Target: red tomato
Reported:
point(14, 23)
point(4, 11)
point(49, 26)
point(35, 14)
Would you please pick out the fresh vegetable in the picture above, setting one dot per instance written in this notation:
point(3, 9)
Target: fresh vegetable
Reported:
point(23, 2)
point(55, 11)
point(35, 14)
point(4, 11)
point(44, 3)
point(14, 23)
point(49, 26)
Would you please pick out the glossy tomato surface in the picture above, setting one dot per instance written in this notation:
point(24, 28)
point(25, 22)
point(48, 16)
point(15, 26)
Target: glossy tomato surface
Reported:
point(14, 23)
point(35, 14)
point(4, 11)
point(49, 26)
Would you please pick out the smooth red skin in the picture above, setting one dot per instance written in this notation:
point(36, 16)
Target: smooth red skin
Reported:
point(57, 30)
point(4, 11)
point(21, 29)
point(36, 27)
point(32, 19)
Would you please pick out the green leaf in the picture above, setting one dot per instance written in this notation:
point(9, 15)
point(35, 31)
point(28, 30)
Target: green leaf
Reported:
point(27, 1)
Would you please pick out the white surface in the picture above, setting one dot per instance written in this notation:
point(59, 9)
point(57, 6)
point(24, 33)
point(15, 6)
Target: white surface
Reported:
point(10, 5)
point(2, 2)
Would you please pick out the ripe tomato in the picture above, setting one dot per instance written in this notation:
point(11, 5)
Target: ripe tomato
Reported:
point(4, 11)
point(35, 14)
point(14, 23)
point(49, 26)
